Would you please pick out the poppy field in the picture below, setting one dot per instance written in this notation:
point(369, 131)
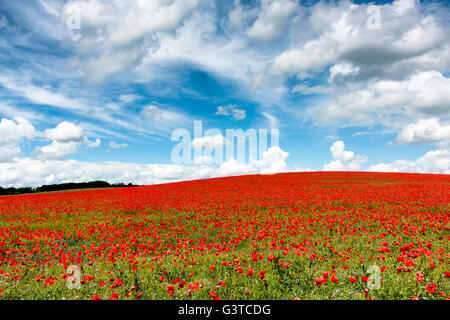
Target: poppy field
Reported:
point(289, 236)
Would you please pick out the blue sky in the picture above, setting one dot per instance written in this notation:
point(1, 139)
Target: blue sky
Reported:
point(94, 89)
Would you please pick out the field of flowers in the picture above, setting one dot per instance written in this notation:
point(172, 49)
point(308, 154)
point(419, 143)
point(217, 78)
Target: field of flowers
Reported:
point(284, 236)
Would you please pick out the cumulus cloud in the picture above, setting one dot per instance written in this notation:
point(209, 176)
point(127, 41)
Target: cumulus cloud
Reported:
point(209, 142)
point(33, 172)
point(340, 71)
point(8, 153)
point(13, 131)
point(340, 34)
point(389, 76)
point(424, 131)
point(231, 110)
point(272, 19)
point(344, 160)
point(66, 139)
point(116, 35)
point(65, 132)
point(436, 161)
point(273, 161)
point(56, 150)
point(424, 94)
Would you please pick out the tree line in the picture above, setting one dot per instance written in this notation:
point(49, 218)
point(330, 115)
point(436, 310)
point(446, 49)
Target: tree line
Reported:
point(63, 186)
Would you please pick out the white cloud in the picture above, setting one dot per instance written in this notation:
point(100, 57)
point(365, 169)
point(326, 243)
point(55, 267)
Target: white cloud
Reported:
point(114, 145)
point(198, 42)
point(241, 15)
point(92, 144)
point(119, 34)
point(162, 119)
point(40, 95)
point(272, 19)
point(56, 150)
point(341, 70)
point(423, 94)
point(273, 161)
point(231, 109)
point(306, 90)
point(35, 172)
point(424, 131)
point(271, 119)
point(209, 142)
point(12, 111)
point(7, 153)
point(51, 7)
point(338, 34)
point(437, 161)
point(65, 132)
point(155, 113)
point(13, 131)
point(66, 138)
point(128, 98)
point(344, 160)
point(403, 6)
point(108, 113)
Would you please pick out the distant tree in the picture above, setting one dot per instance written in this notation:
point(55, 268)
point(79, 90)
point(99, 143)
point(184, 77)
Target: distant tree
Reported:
point(64, 186)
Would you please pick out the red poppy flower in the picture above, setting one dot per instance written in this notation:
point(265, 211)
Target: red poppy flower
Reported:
point(193, 286)
point(420, 277)
point(222, 283)
point(214, 296)
point(431, 288)
point(319, 281)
